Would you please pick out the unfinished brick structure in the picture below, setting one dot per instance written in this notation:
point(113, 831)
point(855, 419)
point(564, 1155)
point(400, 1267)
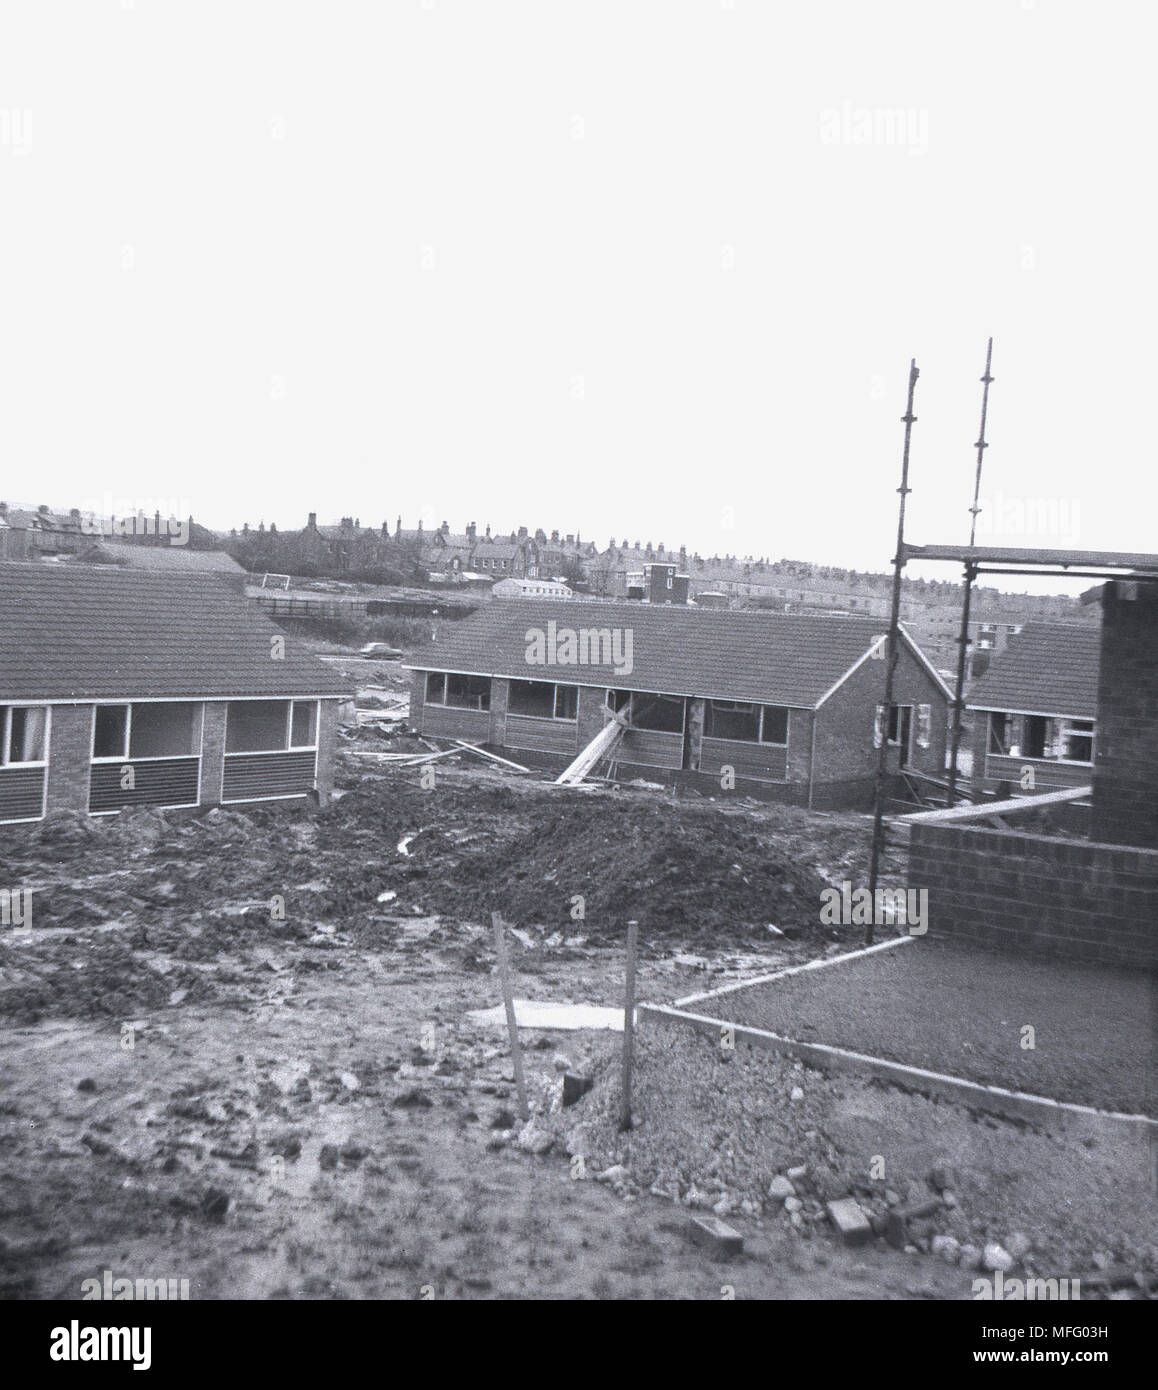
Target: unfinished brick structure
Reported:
point(1125, 801)
point(1090, 899)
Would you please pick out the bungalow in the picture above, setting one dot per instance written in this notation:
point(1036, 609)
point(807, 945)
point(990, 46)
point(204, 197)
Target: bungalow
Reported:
point(531, 588)
point(780, 706)
point(1035, 710)
point(122, 687)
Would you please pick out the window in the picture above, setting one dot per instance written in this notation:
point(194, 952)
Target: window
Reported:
point(535, 698)
point(658, 713)
point(746, 723)
point(462, 692)
point(543, 700)
point(900, 722)
point(731, 719)
point(304, 724)
point(774, 724)
point(1076, 737)
point(271, 726)
point(257, 726)
point(1038, 736)
point(163, 730)
point(1035, 736)
point(110, 735)
point(22, 729)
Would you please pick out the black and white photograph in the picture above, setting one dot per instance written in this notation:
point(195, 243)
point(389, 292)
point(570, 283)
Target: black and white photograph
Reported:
point(578, 671)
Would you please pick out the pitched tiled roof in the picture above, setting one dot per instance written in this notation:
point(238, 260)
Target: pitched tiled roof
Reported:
point(81, 632)
point(775, 658)
point(1047, 668)
point(169, 557)
point(498, 550)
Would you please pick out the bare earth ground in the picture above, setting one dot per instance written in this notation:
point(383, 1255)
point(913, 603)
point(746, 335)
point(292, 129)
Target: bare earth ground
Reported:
point(301, 1108)
point(960, 1009)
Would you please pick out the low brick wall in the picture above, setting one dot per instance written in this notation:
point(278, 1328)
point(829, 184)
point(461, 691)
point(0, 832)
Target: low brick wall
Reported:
point(1073, 899)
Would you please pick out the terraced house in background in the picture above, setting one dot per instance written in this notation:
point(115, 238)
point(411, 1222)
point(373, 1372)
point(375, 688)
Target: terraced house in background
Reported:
point(789, 704)
point(134, 688)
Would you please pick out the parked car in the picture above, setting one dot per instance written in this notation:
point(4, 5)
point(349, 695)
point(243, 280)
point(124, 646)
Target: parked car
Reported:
point(382, 649)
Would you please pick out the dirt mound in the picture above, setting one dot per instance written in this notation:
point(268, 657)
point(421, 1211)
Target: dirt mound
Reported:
point(673, 872)
point(530, 853)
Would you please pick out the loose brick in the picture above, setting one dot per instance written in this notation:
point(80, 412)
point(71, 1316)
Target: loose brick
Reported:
point(720, 1240)
point(850, 1221)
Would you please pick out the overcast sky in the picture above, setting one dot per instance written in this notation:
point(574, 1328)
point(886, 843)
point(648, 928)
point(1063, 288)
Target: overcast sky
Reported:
point(650, 268)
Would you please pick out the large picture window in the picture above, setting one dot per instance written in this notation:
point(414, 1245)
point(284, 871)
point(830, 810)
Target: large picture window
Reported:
point(461, 692)
point(22, 734)
point(662, 714)
point(746, 723)
point(543, 700)
point(1042, 738)
point(164, 729)
point(271, 726)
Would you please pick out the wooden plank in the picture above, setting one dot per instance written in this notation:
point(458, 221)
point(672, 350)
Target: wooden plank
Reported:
point(1017, 805)
point(628, 1025)
point(509, 1005)
point(486, 753)
point(603, 742)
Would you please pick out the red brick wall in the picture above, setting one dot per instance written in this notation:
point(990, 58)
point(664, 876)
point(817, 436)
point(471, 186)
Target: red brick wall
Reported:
point(1125, 799)
point(1034, 893)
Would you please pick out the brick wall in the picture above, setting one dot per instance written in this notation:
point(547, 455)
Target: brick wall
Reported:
point(1125, 797)
point(69, 757)
point(1072, 899)
point(500, 702)
point(212, 750)
point(327, 747)
point(844, 731)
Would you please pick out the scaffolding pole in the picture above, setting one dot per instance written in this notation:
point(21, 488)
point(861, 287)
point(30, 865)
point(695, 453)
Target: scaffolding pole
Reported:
point(891, 659)
point(963, 642)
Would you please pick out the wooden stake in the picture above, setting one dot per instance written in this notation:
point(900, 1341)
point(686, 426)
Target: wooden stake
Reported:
point(509, 1003)
point(628, 1025)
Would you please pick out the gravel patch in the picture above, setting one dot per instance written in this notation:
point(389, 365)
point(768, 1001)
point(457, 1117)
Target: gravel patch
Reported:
point(962, 1011)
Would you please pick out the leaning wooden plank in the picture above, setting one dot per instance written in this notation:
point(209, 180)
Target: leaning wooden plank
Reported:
point(432, 757)
point(486, 753)
point(1017, 805)
point(603, 742)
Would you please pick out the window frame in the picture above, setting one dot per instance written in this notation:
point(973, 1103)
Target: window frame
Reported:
point(6, 736)
point(445, 702)
point(123, 755)
point(127, 756)
point(629, 705)
point(905, 745)
point(1056, 731)
point(556, 686)
point(291, 746)
point(737, 706)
